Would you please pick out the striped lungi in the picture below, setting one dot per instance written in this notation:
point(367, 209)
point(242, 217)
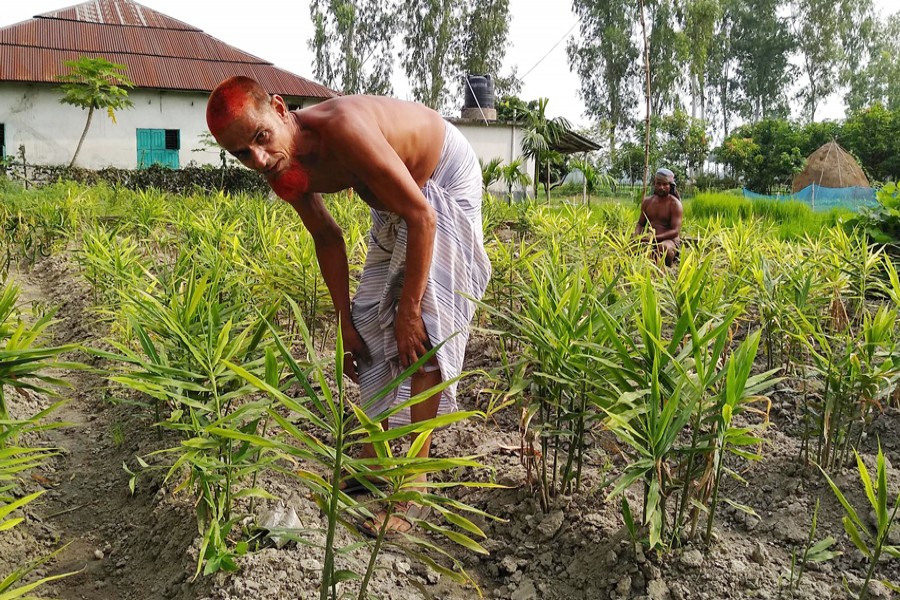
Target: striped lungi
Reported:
point(459, 267)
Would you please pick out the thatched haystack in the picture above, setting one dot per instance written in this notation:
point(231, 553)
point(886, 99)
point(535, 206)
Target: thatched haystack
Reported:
point(832, 167)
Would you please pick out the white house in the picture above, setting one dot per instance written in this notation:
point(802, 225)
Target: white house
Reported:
point(173, 65)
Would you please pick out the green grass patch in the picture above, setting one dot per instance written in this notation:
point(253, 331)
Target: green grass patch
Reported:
point(793, 219)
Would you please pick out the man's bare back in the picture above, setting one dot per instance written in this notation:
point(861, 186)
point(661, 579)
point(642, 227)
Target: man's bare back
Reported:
point(345, 142)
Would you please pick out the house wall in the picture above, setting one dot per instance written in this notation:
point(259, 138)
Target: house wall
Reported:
point(493, 140)
point(49, 130)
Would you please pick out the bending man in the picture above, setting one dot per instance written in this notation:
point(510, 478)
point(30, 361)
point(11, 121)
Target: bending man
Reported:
point(663, 211)
point(423, 183)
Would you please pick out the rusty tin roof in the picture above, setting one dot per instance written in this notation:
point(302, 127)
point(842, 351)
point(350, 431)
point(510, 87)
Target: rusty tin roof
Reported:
point(159, 52)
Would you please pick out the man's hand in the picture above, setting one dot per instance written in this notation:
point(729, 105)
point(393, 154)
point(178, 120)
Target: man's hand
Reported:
point(412, 339)
point(355, 352)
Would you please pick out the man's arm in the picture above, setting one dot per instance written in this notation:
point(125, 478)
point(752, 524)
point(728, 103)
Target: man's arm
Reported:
point(642, 220)
point(362, 146)
point(331, 254)
point(675, 219)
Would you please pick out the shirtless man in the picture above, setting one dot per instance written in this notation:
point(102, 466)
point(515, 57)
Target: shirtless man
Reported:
point(423, 183)
point(664, 213)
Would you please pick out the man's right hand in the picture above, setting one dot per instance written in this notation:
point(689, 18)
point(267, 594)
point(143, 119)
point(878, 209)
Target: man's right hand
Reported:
point(355, 352)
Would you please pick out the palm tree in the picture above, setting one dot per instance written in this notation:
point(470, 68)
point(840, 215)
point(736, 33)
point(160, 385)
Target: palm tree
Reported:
point(541, 134)
point(592, 178)
point(95, 83)
point(513, 176)
point(490, 172)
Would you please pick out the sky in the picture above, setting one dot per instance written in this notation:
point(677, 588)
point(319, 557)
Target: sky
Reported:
point(278, 31)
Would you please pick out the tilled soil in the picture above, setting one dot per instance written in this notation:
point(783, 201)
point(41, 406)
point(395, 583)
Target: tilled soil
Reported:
point(144, 545)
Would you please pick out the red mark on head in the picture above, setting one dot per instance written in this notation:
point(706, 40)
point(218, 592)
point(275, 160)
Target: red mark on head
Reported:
point(228, 105)
point(291, 182)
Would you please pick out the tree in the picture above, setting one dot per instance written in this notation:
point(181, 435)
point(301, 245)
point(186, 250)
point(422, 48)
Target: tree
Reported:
point(484, 36)
point(353, 44)
point(816, 28)
point(540, 134)
point(592, 178)
point(666, 51)
point(94, 83)
point(723, 64)
point(606, 59)
point(629, 161)
point(684, 144)
point(699, 27)
point(879, 80)
point(873, 135)
point(767, 154)
point(858, 36)
point(490, 172)
point(513, 176)
point(762, 45)
point(432, 41)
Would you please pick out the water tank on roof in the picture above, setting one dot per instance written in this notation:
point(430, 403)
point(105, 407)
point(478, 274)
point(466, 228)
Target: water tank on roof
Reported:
point(479, 91)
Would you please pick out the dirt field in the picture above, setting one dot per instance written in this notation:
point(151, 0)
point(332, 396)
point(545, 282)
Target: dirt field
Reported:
point(144, 546)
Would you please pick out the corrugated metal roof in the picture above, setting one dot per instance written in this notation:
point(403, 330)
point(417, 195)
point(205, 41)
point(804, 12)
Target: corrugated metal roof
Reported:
point(158, 51)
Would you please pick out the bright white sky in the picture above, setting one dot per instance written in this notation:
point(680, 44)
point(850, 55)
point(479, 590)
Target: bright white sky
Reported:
point(278, 31)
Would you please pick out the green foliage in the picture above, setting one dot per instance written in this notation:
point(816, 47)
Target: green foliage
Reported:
point(490, 172)
point(629, 162)
point(812, 553)
point(871, 543)
point(15, 461)
point(187, 334)
point(540, 134)
point(882, 223)
point(94, 83)
point(484, 37)
point(325, 407)
point(514, 176)
point(766, 154)
point(186, 180)
point(871, 72)
point(430, 56)
point(352, 44)
point(761, 49)
point(605, 56)
point(25, 364)
point(872, 135)
point(818, 28)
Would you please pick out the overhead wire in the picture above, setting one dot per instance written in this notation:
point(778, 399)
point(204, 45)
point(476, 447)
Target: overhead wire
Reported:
point(575, 24)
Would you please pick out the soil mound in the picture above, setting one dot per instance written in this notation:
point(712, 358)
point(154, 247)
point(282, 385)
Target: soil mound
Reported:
point(832, 167)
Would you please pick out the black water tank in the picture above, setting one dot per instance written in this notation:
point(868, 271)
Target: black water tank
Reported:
point(479, 91)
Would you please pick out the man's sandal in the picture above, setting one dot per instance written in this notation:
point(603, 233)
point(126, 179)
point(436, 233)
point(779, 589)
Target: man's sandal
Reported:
point(408, 513)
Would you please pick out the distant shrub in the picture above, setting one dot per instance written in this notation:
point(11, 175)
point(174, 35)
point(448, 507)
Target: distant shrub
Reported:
point(186, 180)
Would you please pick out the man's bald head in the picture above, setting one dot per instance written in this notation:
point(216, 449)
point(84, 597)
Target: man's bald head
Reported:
point(231, 99)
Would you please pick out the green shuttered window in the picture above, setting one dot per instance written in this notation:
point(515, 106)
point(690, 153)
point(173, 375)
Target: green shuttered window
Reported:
point(158, 146)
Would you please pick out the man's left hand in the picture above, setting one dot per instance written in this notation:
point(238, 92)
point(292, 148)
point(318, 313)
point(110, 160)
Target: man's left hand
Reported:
point(412, 339)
